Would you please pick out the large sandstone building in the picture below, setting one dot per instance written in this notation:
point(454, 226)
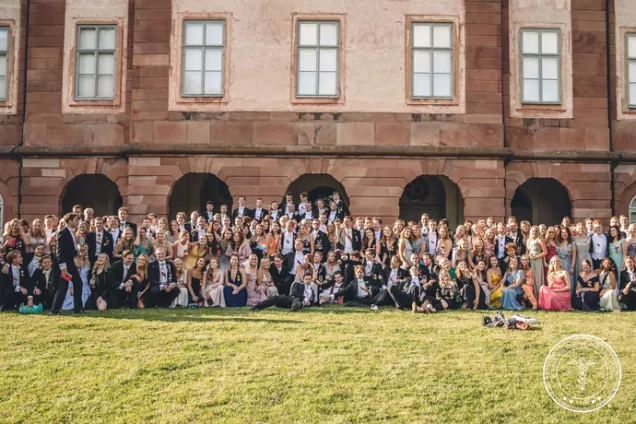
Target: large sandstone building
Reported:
point(458, 107)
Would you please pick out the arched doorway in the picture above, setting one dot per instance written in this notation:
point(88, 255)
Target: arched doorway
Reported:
point(94, 191)
point(541, 201)
point(436, 195)
point(317, 186)
point(632, 211)
point(192, 190)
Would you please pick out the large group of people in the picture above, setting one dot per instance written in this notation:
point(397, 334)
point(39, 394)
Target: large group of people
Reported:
point(296, 255)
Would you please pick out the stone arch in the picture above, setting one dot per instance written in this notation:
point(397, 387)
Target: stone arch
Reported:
point(436, 195)
point(317, 186)
point(194, 189)
point(541, 201)
point(94, 191)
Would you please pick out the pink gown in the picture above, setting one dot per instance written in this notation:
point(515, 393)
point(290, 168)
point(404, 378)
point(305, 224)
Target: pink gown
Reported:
point(555, 301)
point(253, 295)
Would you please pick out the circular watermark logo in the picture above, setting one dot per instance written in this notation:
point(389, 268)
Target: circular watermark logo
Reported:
point(582, 373)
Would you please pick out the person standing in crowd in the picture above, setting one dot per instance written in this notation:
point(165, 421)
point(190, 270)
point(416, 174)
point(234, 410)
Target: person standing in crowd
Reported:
point(537, 251)
point(617, 246)
point(66, 251)
point(99, 241)
point(83, 266)
point(122, 213)
point(599, 245)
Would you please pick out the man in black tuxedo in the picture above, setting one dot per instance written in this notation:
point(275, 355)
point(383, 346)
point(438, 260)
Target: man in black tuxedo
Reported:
point(393, 275)
point(66, 250)
point(163, 279)
point(274, 211)
point(123, 219)
point(188, 226)
point(501, 240)
point(295, 258)
point(627, 285)
point(123, 289)
point(241, 211)
point(291, 212)
point(515, 236)
point(349, 238)
point(321, 241)
point(280, 275)
point(309, 213)
point(200, 229)
point(99, 241)
point(44, 282)
point(208, 213)
point(334, 213)
point(373, 269)
point(15, 282)
point(342, 207)
point(599, 246)
point(114, 229)
point(358, 292)
point(301, 296)
point(258, 213)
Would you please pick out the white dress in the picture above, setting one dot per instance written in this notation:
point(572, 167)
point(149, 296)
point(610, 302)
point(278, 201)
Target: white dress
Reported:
point(86, 291)
point(609, 301)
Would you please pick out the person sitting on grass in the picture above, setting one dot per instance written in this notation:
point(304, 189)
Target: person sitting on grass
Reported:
point(358, 291)
point(163, 280)
point(15, 283)
point(335, 287)
point(302, 295)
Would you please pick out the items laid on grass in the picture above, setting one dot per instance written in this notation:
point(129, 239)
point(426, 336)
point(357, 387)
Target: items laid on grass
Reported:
point(515, 322)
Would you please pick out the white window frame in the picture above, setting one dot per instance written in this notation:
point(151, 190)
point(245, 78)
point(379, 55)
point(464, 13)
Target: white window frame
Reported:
point(540, 55)
point(630, 61)
point(204, 48)
point(4, 71)
point(318, 47)
point(431, 51)
point(97, 51)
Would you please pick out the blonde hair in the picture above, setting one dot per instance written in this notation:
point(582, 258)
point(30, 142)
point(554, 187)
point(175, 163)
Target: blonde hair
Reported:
point(248, 267)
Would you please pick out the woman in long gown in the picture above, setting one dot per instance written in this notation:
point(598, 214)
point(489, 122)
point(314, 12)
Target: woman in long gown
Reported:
point(587, 289)
point(493, 277)
point(630, 241)
point(196, 251)
point(551, 250)
point(84, 267)
point(195, 278)
point(264, 281)
point(224, 252)
point(513, 282)
point(617, 246)
point(235, 281)
point(582, 243)
point(607, 279)
point(182, 277)
point(536, 252)
point(556, 295)
point(213, 285)
point(251, 275)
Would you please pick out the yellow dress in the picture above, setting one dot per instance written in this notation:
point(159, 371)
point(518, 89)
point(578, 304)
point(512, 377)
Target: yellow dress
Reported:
point(190, 260)
point(495, 296)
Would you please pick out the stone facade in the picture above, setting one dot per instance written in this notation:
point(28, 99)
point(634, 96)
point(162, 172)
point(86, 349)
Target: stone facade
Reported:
point(258, 140)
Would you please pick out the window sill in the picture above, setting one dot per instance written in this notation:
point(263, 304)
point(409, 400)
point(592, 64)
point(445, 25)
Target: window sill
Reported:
point(317, 100)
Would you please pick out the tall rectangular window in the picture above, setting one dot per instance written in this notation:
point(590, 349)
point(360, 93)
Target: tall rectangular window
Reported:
point(203, 58)
point(4, 61)
point(631, 69)
point(318, 59)
point(540, 66)
point(95, 63)
point(432, 60)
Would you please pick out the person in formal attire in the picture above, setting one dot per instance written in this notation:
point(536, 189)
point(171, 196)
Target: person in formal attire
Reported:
point(556, 295)
point(199, 230)
point(99, 283)
point(235, 282)
point(627, 293)
point(213, 285)
point(163, 281)
point(349, 238)
point(599, 247)
point(44, 281)
point(99, 241)
point(358, 292)
point(15, 283)
point(294, 259)
point(302, 295)
point(280, 274)
point(587, 289)
point(122, 213)
point(36, 257)
point(241, 210)
point(123, 291)
point(608, 296)
point(126, 242)
point(258, 214)
point(343, 210)
point(14, 238)
point(208, 213)
point(494, 279)
point(83, 266)
point(66, 251)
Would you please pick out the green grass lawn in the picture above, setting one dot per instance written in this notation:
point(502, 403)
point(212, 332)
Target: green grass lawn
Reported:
point(320, 365)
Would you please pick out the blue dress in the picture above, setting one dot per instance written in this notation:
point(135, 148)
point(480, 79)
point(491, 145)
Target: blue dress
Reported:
point(86, 291)
point(510, 297)
point(235, 300)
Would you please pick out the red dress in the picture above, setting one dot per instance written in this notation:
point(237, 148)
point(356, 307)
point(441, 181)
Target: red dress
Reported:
point(549, 300)
point(551, 251)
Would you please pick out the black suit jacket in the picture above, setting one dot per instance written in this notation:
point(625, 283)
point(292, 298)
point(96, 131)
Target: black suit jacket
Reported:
point(153, 273)
point(624, 280)
point(297, 291)
point(204, 213)
point(496, 251)
point(289, 261)
point(342, 208)
point(65, 249)
point(274, 214)
point(116, 275)
point(356, 239)
point(129, 224)
point(235, 213)
point(107, 245)
point(607, 243)
point(339, 215)
point(322, 244)
point(38, 280)
point(262, 216)
point(293, 216)
point(402, 274)
point(7, 280)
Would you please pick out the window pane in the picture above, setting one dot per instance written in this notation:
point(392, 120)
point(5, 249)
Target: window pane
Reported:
point(550, 68)
point(631, 72)
point(442, 85)
point(530, 42)
point(192, 83)
point(3, 65)
point(193, 60)
point(107, 38)
point(531, 67)
point(631, 46)
point(422, 85)
point(87, 38)
point(442, 36)
point(86, 86)
point(421, 35)
point(193, 33)
point(107, 64)
point(105, 86)
point(329, 34)
point(549, 43)
point(329, 60)
point(4, 39)
point(307, 60)
point(307, 83)
point(308, 34)
point(213, 60)
point(632, 94)
point(327, 84)
point(87, 63)
point(3, 93)
point(422, 61)
point(530, 90)
point(214, 33)
point(550, 91)
point(442, 62)
point(213, 83)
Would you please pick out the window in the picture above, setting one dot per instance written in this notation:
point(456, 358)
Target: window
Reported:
point(540, 66)
point(431, 60)
point(4, 67)
point(318, 59)
point(631, 69)
point(632, 211)
point(95, 66)
point(203, 57)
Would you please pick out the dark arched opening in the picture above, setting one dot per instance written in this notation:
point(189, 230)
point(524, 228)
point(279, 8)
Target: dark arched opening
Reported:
point(94, 191)
point(193, 190)
point(317, 186)
point(541, 201)
point(436, 195)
